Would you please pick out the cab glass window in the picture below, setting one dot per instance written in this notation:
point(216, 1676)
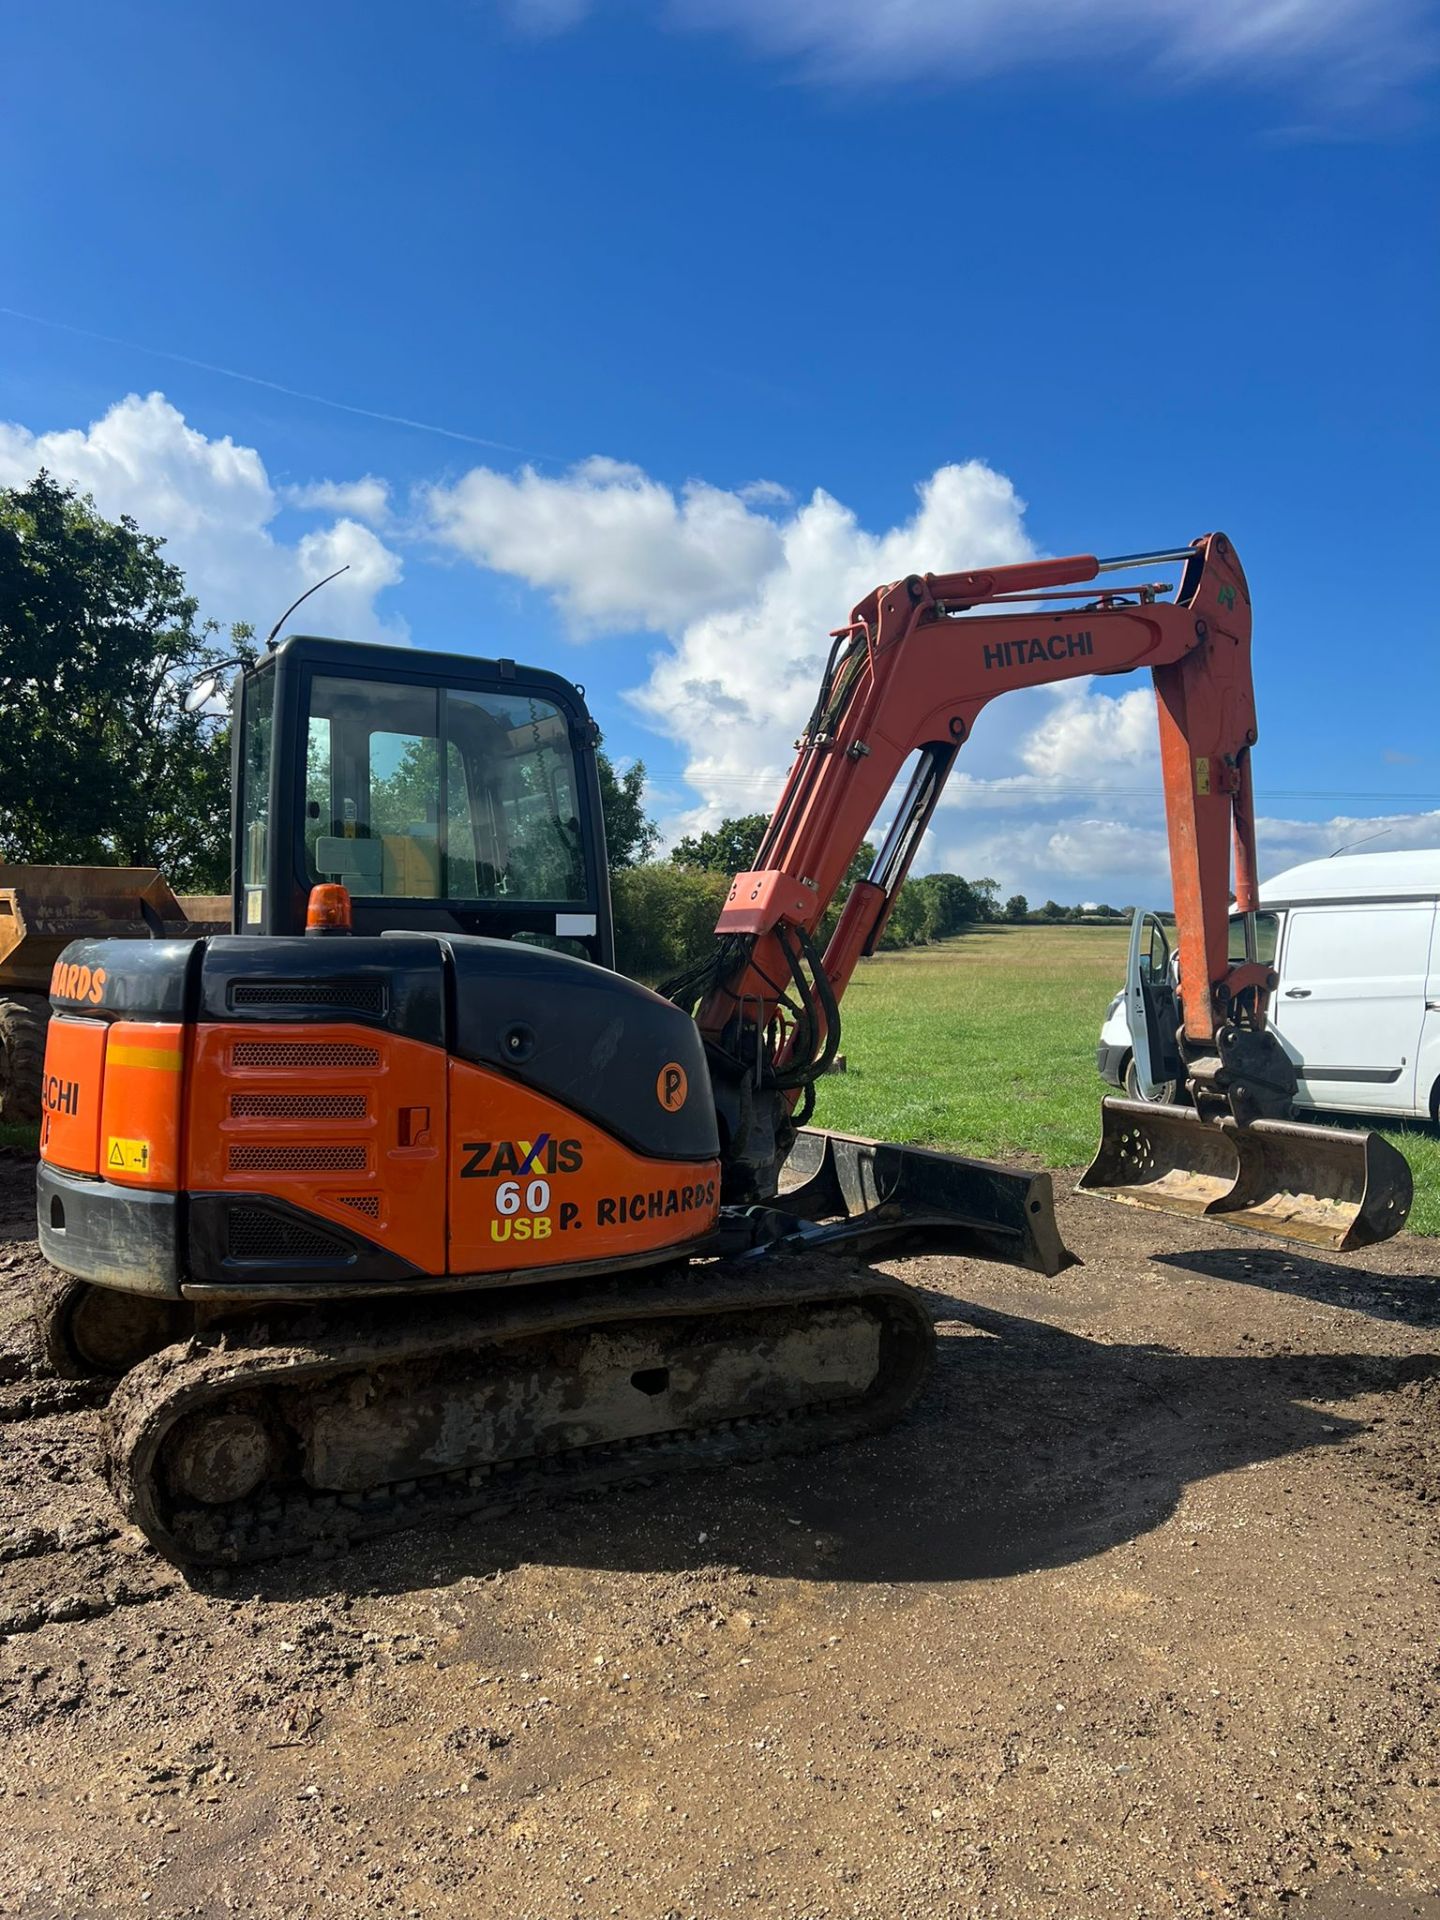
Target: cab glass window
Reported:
point(426, 793)
point(258, 723)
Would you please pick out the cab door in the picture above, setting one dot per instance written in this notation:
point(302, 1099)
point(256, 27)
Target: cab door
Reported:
point(1152, 1009)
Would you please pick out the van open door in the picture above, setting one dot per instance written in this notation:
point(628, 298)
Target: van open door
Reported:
point(1152, 1009)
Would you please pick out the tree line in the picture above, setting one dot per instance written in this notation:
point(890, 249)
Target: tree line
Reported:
point(663, 909)
point(101, 764)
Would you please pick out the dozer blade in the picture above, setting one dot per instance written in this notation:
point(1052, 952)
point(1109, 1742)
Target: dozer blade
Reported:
point(1324, 1186)
point(971, 1207)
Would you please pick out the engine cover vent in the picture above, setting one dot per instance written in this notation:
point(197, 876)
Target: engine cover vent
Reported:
point(298, 1106)
point(353, 996)
point(366, 1203)
point(298, 1159)
point(304, 1054)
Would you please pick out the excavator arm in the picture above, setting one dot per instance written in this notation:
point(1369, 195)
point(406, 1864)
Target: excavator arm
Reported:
point(908, 675)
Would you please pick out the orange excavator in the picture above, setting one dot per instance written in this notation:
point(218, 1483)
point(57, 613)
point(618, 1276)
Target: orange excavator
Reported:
point(399, 1203)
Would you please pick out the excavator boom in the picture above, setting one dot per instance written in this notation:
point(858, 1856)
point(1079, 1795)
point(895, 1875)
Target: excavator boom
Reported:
point(906, 680)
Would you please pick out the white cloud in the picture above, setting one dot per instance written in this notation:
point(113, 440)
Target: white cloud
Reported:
point(1353, 51)
point(366, 499)
point(213, 503)
point(614, 547)
point(738, 683)
point(1122, 853)
point(1285, 843)
point(765, 493)
point(1095, 739)
point(745, 598)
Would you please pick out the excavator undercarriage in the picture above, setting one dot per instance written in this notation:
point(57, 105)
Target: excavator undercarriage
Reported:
point(289, 1435)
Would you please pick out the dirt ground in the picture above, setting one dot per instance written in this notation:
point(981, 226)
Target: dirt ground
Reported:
point(1138, 1613)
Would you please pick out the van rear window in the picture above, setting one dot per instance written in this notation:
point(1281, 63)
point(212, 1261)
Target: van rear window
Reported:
point(1266, 925)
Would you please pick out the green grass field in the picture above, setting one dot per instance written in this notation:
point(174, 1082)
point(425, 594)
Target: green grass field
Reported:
point(986, 1045)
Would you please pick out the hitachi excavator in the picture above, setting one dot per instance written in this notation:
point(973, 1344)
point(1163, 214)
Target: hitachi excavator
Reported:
point(399, 1203)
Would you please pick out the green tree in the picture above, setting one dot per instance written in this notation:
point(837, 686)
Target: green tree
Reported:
point(665, 917)
point(729, 848)
point(1016, 907)
point(987, 897)
point(98, 640)
point(906, 925)
point(1052, 910)
point(631, 836)
point(950, 903)
point(733, 846)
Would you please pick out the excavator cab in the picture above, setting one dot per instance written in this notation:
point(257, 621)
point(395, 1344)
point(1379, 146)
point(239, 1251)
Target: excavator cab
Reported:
point(445, 796)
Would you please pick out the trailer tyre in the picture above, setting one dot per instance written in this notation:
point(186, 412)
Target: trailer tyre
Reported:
point(23, 1020)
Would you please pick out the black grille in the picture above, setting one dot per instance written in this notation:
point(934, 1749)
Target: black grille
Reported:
point(303, 1053)
point(252, 1234)
point(366, 1203)
point(298, 1159)
point(356, 996)
point(297, 1106)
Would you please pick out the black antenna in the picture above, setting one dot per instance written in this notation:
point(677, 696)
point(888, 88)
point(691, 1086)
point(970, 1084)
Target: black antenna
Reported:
point(270, 637)
point(1351, 844)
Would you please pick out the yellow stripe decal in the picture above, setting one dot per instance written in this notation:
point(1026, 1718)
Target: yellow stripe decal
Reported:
point(162, 1059)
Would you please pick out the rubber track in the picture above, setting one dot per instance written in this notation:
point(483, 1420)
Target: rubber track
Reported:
point(186, 1379)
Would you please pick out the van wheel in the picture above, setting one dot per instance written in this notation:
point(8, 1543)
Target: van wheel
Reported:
point(1166, 1094)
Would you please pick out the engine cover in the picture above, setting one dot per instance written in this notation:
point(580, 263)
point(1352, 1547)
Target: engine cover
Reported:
point(364, 1114)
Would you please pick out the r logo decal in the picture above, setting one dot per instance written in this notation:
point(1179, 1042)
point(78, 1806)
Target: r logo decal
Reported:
point(671, 1087)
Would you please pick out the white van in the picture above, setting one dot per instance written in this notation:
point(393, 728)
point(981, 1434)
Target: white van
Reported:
point(1356, 945)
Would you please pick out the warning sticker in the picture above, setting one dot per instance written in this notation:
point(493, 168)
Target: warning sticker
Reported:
point(127, 1156)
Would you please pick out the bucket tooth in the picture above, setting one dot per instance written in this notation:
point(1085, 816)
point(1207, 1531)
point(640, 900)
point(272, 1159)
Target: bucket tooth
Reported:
point(1323, 1186)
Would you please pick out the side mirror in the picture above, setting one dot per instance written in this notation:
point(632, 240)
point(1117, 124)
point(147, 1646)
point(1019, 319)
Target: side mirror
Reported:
point(200, 692)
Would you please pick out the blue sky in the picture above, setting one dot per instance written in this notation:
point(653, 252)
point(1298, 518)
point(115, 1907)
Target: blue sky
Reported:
point(730, 310)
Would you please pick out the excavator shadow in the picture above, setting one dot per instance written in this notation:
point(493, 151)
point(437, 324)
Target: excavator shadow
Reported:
point(1031, 1447)
point(1411, 1298)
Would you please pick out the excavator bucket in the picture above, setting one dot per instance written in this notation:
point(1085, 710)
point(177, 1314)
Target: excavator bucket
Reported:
point(1324, 1186)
